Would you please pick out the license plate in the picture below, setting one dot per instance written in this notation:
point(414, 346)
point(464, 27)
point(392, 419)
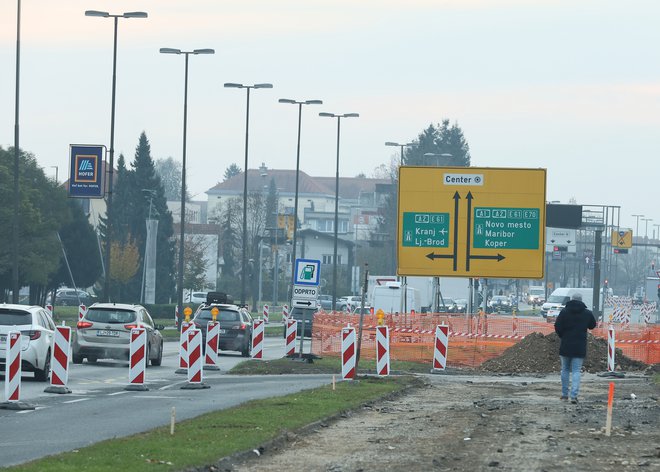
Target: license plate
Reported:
point(106, 333)
point(222, 331)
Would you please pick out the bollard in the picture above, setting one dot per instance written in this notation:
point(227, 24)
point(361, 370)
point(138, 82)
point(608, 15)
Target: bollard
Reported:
point(348, 353)
point(195, 377)
point(82, 309)
point(440, 349)
point(291, 331)
point(137, 360)
point(382, 350)
point(212, 336)
point(285, 312)
point(59, 375)
point(610, 349)
point(258, 339)
point(265, 311)
point(50, 310)
point(13, 374)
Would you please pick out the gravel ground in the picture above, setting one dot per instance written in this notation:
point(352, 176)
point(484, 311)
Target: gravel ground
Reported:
point(460, 422)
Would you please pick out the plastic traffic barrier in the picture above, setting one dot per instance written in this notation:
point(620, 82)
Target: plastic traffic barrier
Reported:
point(183, 348)
point(285, 311)
point(440, 349)
point(211, 351)
point(291, 330)
point(82, 309)
point(137, 360)
point(195, 375)
point(382, 350)
point(258, 339)
point(13, 374)
point(59, 375)
point(348, 352)
point(265, 312)
point(610, 349)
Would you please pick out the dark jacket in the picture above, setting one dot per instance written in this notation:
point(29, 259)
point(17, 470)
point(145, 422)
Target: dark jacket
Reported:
point(571, 326)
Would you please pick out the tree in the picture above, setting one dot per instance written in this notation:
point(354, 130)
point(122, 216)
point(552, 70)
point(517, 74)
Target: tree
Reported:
point(169, 172)
point(196, 264)
point(124, 263)
point(229, 281)
point(231, 171)
point(271, 204)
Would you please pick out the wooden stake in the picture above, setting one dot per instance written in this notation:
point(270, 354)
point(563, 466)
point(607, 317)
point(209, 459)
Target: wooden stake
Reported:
point(333, 382)
point(610, 400)
point(172, 421)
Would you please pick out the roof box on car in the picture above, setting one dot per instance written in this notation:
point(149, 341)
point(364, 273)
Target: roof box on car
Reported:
point(218, 297)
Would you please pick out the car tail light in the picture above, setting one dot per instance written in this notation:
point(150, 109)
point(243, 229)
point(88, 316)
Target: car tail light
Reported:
point(32, 334)
point(131, 326)
point(83, 324)
point(243, 326)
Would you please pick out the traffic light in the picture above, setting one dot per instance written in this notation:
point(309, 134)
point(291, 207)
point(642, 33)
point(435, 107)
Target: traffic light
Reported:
point(605, 284)
point(560, 248)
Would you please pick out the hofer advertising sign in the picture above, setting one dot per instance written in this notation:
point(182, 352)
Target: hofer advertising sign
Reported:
point(85, 171)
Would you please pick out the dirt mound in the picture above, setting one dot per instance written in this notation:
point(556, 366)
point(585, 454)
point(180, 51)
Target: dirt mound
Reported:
point(540, 354)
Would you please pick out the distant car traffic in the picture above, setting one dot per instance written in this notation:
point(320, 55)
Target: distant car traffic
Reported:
point(447, 305)
point(349, 303)
point(325, 301)
point(72, 297)
point(235, 323)
point(36, 327)
point(297, 314)
point(196, 297)
point(461, 305)
point(499, 304)
point(367, 310)
point(105, 332)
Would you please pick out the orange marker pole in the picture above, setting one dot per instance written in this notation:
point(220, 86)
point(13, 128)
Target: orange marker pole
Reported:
point(610, 400)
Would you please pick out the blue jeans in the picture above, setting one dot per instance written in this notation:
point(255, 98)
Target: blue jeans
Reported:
point(568, 365)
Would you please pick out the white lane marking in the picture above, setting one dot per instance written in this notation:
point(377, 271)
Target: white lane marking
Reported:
point(166, 387)
point(155, 397)
point(116, 393)
point(30, 411)
point(77, 400)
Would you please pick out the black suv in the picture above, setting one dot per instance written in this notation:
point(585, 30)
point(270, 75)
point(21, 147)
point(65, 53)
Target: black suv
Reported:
point(235, 323)
point(297, 314)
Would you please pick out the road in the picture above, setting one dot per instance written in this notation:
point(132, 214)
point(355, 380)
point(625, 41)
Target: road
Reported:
point(99, 408)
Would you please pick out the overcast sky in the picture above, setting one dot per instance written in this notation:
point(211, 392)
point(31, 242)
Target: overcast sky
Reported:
point(571, 86)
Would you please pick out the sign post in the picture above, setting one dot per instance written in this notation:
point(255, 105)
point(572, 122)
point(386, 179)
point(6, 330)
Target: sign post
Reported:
point(471, 222)
point(306, 291)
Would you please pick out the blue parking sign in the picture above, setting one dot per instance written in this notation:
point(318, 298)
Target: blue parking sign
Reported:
point(85, 171)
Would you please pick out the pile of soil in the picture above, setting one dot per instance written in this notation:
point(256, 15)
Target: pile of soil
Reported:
point(540, 354)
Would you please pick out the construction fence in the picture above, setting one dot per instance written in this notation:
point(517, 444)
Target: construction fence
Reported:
point(473, 339)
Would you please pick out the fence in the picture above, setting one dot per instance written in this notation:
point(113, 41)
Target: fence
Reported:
point(472, 339)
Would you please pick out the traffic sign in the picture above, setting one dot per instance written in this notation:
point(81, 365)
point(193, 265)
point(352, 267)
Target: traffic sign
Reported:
point(622, 239)
point(308, 272)
point(304, 303)
point(562, 238)
point(471, 222)
point(305, 292)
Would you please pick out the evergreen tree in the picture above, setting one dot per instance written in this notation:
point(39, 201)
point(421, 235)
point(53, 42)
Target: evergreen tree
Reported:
point(231, 171)
point(271, 204)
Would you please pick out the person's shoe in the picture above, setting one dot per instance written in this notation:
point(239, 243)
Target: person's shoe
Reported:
point(563, 397)
point(574, 401)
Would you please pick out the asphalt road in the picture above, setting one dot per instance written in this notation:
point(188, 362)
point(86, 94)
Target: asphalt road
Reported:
point(99, 408)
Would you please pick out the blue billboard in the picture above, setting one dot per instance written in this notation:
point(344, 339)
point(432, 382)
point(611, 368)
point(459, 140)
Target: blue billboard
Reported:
point(86, 171)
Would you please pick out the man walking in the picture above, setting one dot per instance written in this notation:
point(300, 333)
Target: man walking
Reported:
point(571, 327)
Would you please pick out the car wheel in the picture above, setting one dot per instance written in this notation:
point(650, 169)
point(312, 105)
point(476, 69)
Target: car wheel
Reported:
point(42, 375)
point(159, 360)
point(245, 352)
point(92, 359)
point(148, 356)
point(77, 359)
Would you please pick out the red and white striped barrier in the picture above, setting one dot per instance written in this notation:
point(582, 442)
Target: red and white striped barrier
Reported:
point(285, 311)
point(183, 348)
point(59, 375)
point(194, 356)
point(440, 349)
point(258, 339)
point(291, 331)
point(610, 349)
point(82, 309)
point(348, 353)
point(50, 310)
point(13, 367)
point(137, 360)
point(265, 311)
point(382, 350)
point(212, 337)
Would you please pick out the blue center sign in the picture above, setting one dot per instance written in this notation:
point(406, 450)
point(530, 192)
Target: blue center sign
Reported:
point(85, 171)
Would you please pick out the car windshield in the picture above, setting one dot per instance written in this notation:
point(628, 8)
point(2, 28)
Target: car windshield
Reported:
point(110, 315)
point(11, 317)
point(499, 298)
point(448, 301)
point(223, 315)
point(461, 301)
point(558, 299)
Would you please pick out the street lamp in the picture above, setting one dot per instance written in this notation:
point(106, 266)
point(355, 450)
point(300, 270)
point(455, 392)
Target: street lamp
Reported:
point(334, 257)
point(390, 143)
point(108, 223)
point(444, 155)
point(183, 165)
point(15, 230)
point(295, 204)
point(646, 241)
point(245, 181)
point(56, 173)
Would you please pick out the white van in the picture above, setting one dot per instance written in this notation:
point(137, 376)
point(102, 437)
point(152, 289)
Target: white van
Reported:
point(558, 299)
point(388, 298)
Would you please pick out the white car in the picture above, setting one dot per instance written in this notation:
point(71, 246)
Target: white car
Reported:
point(197, 297)
point(348, 304)
point(36, 327)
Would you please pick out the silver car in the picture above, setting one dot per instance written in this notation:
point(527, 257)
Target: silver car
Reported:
point(105, 332)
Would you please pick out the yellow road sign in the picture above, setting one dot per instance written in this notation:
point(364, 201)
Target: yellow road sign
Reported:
point(622, 239)
point(471, 222)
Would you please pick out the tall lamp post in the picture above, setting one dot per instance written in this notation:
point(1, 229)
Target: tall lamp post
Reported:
point(108, 229)
point(15, 230)
point(646, 242)
point(245, 182)
point(334, 255)
point(183, 166)
point(295, 204)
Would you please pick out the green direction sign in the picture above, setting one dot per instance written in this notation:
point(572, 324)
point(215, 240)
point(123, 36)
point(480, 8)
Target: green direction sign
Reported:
point(506, 228)
point(425, 229)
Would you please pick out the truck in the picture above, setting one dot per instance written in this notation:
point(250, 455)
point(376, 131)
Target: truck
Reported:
point(455, 288)
point(388, 298)
point(558, 299)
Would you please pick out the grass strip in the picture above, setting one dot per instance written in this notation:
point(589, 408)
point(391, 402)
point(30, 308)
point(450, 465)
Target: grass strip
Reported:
point(325, 365)
point(207, 438)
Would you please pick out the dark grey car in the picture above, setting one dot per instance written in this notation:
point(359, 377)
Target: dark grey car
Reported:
point(235, 327)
